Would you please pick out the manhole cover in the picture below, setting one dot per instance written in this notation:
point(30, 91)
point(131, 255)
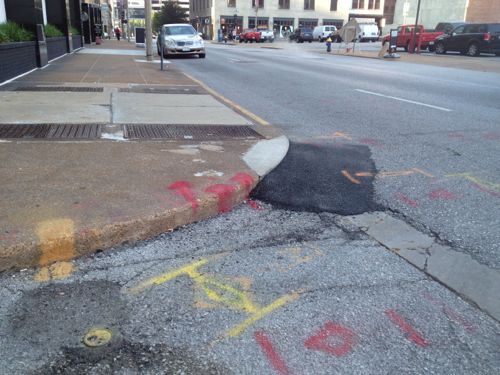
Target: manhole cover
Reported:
point(50, 131)
point(194, 132)
point(60, 88)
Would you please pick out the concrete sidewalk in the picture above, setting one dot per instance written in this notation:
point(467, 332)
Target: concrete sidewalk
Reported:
point(78, 177)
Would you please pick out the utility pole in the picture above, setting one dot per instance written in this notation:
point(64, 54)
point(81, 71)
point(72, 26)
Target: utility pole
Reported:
point(413, 45)
point(256, 11)
point(149, 29)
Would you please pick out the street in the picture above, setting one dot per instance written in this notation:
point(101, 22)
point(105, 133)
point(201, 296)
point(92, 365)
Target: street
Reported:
point(368, 250)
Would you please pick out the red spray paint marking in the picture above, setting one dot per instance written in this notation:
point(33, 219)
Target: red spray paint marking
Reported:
point(224, 194)
point(486, 190)
point(255, 205)
point(184, 189)
point(491, 136)
point(272, 355)
point(469, 327)
point(244, 180)
point(456, 135)
point(409, 331)
point(442, 194)
point(319, 340)
point(403, 198)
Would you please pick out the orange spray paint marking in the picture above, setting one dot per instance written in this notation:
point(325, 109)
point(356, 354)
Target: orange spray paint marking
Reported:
point(347, 175)
point(57, 244)
point(224, 194)
point(184, 189)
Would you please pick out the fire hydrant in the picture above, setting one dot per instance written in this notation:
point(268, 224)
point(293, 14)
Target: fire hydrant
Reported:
point(329, 44)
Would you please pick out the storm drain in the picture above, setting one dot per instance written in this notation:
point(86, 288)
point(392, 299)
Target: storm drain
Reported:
point(195, 132)
point(161, 90)
point(50, 131)
point(60, 89)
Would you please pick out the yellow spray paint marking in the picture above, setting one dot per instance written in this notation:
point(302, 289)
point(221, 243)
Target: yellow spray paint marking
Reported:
point(56, 271)
point(298, 256)
point(221, 293)
point(406, 172)
point(57, 244)
point(485, 184)
point(97, 337)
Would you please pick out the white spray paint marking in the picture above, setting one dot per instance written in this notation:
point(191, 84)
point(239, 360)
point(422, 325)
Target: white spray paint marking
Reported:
point(403, 100)
point(209, 173)
point(114, 136)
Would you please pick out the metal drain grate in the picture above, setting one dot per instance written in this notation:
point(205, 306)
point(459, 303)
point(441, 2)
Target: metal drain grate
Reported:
point(163, 90)
point(60, 89)
point(50, 131)
point(194, 132)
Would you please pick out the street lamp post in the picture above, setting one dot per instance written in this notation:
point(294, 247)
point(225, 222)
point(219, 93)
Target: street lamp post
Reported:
point(413, 45)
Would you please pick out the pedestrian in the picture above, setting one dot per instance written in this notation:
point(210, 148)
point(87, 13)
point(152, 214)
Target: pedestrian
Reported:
point(329, 44)
point(117, 33)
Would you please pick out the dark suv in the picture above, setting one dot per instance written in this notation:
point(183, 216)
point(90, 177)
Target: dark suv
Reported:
point(471, 39)
point(302, 35)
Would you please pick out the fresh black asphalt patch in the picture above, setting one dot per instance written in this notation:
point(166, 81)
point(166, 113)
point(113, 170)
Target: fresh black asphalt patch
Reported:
point(322, 178)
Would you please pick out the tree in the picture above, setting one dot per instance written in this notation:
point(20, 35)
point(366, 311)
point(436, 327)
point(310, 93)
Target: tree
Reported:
point(170, 12)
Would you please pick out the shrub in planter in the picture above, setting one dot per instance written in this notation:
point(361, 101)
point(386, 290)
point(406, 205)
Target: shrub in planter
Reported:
point(12, 32)
point(74, 31)
point(51, 31)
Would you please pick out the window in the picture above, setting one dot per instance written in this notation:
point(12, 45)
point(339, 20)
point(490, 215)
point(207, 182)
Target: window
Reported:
point(377, 4)
point(284, 4)
point(308, 4)
point(370, 4)
point(333, 5)
point(459, 30)
point(231, 3)
point(260, 2)
point(358, 4)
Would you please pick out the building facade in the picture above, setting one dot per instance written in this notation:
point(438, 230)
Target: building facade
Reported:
point(434, 11)
point(217, 17)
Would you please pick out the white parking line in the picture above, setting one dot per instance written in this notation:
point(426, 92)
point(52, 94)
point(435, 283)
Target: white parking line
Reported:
point(404, 100)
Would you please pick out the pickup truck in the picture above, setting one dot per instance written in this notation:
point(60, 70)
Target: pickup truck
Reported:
point(266, 35)
point(250, 35)
point(405, 34)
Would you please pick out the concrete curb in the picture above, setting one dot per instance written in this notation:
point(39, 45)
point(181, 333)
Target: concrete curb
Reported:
point(83, 242)
point(457, 270)
point(266, 155)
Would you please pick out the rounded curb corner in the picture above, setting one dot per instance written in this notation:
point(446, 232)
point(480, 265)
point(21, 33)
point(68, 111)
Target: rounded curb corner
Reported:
point(266, 155)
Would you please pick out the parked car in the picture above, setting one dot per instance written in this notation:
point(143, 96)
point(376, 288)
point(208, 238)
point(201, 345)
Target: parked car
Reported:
point(369, 32)
point(405, 35)
point(321, 33)
point(302, 35)
point(250, 35)
point(180, 39)
point(445, 28)
point(471, 39)
point(266, 35)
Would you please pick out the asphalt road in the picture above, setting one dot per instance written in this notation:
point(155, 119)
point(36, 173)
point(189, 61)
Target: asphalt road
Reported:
point(432, 131)
point(255, 291)
point(292, 287)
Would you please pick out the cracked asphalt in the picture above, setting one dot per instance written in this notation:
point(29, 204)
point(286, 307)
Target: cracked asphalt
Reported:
point(259, 290)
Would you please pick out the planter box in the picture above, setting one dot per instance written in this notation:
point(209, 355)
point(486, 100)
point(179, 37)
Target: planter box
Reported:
point(56, 47)
point(77, 41)
point(16, 58)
